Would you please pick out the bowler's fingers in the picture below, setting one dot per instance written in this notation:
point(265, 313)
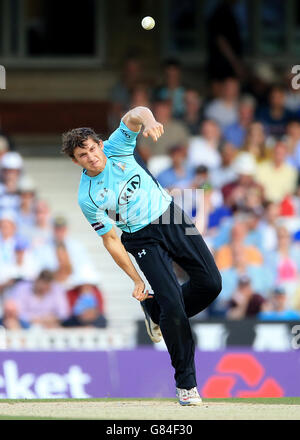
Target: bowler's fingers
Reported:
point(140, 295)
point(154, 132)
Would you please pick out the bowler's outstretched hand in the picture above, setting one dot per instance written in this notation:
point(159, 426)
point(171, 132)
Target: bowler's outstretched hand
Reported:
point(154, 130)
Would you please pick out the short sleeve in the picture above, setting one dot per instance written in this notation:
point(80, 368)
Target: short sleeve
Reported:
point(121, 142)
point(97, 218)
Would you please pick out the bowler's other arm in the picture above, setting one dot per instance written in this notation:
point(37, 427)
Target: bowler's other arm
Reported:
point(116, 249)
point(142, 116)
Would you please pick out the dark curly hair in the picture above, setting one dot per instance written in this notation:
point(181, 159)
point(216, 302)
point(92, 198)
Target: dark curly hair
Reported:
point(75, 138)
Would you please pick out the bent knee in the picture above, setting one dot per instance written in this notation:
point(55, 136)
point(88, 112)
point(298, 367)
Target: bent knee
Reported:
point(211, 285)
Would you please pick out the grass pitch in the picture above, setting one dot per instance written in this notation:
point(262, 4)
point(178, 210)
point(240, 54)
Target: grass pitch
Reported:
point(150, 409)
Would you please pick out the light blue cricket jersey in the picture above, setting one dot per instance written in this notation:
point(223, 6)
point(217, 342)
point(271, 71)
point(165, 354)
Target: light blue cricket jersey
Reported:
point(123, 191)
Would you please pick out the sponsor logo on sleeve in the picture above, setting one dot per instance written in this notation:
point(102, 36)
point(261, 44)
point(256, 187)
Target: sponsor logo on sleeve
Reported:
point(127, 135)
point(98, 226)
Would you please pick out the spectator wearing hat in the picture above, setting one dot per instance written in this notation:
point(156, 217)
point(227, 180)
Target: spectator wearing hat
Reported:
point(276, 308)
point(85, 302)
point(179, 172)
point(11, 169)
point(245, 303)
point(236, 132)
point(41, 302)
point(203, 149)
point(234, 193)
point(278, 178)
point(26, 266)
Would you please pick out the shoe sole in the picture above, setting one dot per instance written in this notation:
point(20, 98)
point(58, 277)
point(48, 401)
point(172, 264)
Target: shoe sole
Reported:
point(190, 403)
point(152, 337)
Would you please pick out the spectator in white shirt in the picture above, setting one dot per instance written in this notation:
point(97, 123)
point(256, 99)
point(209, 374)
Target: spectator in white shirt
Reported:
point(203, 149)
point(224, 109)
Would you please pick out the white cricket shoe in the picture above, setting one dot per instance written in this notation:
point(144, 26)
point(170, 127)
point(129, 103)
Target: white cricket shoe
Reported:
point(153, 329)
point(188, 397)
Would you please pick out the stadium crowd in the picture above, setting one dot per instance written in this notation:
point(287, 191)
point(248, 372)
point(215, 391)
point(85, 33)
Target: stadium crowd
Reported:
point(46, 277)
point(239, 144)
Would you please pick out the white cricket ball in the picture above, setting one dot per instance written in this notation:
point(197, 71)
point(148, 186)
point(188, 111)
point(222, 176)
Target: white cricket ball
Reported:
point(148, 23)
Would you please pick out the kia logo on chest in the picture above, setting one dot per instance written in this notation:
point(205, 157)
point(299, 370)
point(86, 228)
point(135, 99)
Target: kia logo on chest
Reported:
point(129, 189)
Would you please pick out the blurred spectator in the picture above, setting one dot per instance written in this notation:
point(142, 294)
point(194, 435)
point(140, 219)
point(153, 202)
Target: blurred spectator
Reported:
point(42, 232)
point(140, 96)
point(86, 302)
point(11, 317)
point(121, 92)
point(42, 302)
point(234, 193)
point(285, 262)
point(245, 303)
point(4, 147)
point(269, 227)
point(224, 43)
point(261, 79)
point(274, 116)
point(8, 237)
point(174, 133)
point(224, 255)
point(224, 110)
point(226, 172)
point(172, 89)
point(278, 178)
point(192, 111)
point(62, 254)
point(26, 215)
point(260, 277)
point(200, 205)
point(255, 142)
point(203, 149)
point(236, 132)
point(293, 143)
point(25, 267)
point(178, 173)
point(12, 166)
point(275, 309)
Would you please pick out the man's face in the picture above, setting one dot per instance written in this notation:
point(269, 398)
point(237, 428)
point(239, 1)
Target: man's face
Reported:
point(163, 111)
point(7, 228)
point(42, 286)
point(279, 153)
point(277, 98)
point(60, 232)
point(90, 156)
